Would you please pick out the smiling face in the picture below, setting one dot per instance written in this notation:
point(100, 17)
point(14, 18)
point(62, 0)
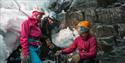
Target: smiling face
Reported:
point(38, 17)
point(50, 21)
point(48, 42)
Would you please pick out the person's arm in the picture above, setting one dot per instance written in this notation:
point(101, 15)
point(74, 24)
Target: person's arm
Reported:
point(71, 48)
point(92, 50)
point(24, 38)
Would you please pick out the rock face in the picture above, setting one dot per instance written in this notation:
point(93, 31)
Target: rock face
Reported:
point(82, 4)
point(109, 15)
point(105, 3)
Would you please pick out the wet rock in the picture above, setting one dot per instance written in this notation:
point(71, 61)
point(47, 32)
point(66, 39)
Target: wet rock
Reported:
point(105, 3)
point(121, 1)
point(103, 30)
point(117, 4)
point(109, 15)
point(83, 4)
point(104, 46)
point(121, 30)
point(73, 18)
point(90, 15)
point(123, 5)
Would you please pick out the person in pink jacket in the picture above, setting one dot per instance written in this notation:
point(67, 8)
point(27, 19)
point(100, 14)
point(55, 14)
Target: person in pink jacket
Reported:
point(84, 43)
point(30, 37)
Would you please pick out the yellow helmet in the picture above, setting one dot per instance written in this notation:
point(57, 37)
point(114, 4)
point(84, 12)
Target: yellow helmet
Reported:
point(85, 24)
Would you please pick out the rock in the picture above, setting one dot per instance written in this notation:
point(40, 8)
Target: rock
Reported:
point(90, 15)
point(83, 4)
point(109, 15)
point(73, 18)
point(104, 47)
point(103, 30)
point(123, 5)
point(124, 37)
point(121, 1)
point(121, 30)
point(117, 4)
point(105, 3)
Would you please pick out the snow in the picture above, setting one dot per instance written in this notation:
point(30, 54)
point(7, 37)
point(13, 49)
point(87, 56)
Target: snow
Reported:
point(3, 50)
point(65, 37)
point(11, 18)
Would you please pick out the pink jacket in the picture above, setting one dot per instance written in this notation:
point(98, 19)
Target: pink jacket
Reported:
point(86, 48)
point(29, 29)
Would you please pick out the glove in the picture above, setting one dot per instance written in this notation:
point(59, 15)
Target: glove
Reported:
point(75, 58)
point(25, 59)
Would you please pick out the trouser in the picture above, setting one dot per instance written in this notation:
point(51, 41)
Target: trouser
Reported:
point(34, 54)
point(87, 61)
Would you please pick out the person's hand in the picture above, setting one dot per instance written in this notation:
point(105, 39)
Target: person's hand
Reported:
point(51, 46)
point(25, 58)
point(58, 52)
point(75, 58)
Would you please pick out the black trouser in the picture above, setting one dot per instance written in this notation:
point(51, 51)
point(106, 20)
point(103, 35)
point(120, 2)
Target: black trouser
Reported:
point(87, 61)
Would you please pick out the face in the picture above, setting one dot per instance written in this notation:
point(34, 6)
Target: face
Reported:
point(50, 21)
point(83, 34)
point(39, 17)
point(48, 42)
